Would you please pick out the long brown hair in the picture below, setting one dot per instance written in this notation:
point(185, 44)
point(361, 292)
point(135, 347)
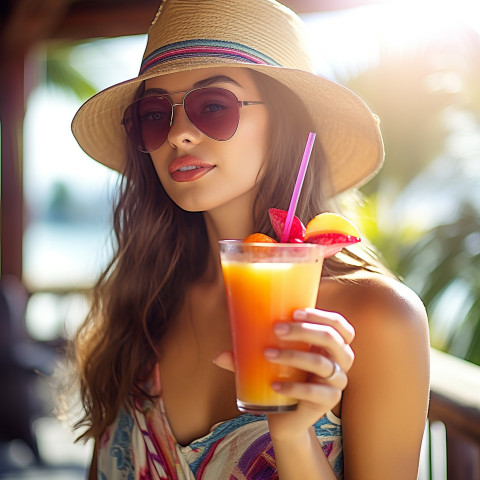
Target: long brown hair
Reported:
point(159, 251)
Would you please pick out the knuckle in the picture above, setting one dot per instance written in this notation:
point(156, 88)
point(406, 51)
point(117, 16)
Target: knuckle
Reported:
point(329, 336)
point(318, 362)
point(297, 329)
point(287, 355)
point(336, 395)
point(343, 382)
point(350, 358)
point(341, 324)
point(310, 390)
point(337, 319)
point(352, 333)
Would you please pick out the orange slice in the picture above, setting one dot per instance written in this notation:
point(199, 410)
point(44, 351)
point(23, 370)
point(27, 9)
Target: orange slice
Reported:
point(330, 223)
point(259, 238)
point(333, 231)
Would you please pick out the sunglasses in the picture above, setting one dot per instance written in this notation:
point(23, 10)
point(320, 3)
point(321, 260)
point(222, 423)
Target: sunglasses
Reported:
point(214, 111)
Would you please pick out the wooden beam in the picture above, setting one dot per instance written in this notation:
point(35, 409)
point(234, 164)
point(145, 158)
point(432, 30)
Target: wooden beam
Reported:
point(31, 21)
point(84, 21)
point(97, 20)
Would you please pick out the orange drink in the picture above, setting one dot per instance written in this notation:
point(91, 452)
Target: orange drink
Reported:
point(265, 283)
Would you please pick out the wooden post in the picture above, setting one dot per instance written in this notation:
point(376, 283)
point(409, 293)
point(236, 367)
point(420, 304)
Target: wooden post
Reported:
point(12, 101)
point(28, 23)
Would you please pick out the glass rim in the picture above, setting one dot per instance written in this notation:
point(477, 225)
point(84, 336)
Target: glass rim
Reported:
point(270, 245)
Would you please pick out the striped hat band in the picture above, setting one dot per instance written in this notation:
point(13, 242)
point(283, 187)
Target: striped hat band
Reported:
point(205, 48)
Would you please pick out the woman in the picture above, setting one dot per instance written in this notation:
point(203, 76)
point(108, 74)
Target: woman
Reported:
point(154, 355)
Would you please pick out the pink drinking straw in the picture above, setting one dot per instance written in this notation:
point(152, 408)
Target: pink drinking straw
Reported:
point(298, 187)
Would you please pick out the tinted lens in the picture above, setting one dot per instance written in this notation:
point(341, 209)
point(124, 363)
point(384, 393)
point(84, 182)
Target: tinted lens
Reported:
point(147, 122)
point(214, 111)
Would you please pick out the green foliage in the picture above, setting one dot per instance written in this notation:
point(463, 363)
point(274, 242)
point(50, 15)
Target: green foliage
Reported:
point(61, 74)
point(398, 91)
point(418, 95)
point(444, 265)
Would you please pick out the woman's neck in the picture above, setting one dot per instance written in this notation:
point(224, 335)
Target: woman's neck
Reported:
point(231, 221)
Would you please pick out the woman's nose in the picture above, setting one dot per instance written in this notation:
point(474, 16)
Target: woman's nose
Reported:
point(182, 131)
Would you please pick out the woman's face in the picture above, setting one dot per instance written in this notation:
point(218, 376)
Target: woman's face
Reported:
point(197, 172)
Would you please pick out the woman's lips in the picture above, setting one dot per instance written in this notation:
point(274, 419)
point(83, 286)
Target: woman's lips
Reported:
point(188, 168)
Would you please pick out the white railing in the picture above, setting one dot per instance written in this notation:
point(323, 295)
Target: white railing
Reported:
point(451, 446)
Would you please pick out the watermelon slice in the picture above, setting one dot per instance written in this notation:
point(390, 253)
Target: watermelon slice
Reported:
point(333, 242)
point(278, 217)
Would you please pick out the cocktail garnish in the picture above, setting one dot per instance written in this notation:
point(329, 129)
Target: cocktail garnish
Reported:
point(331, 230)
point(259, 238)
point(330, 223)
point(297, 230)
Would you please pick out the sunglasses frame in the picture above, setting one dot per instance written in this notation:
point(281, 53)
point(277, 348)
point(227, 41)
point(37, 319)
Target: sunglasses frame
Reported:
point(240, 103)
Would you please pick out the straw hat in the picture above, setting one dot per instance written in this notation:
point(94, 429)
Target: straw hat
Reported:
point(262, 35)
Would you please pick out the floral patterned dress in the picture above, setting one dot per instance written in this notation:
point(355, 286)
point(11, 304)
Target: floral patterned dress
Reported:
point(140, 445)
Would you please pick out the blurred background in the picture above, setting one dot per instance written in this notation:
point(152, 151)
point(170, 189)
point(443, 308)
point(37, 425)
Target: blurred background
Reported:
point(415, 63)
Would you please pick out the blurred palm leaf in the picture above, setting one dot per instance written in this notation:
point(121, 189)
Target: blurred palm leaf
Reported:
point(417, 94)
point(401, 90)
point(449, 258)
point(61, 74)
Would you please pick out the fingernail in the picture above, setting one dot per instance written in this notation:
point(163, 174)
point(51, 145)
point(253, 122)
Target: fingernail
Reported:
point(282, 328)
point(300, 315)
point(272, 353)
point(277, 386)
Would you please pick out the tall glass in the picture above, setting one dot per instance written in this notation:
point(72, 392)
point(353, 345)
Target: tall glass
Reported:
point(265, 283)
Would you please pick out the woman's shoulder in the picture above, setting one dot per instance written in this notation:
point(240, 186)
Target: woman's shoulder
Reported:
point(388, 384)
point(372, 301)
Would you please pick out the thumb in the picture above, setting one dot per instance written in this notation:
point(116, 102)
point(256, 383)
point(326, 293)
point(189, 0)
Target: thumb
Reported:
point(224, 360)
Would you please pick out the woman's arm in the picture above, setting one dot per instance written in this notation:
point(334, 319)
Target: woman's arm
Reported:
point(384, 406)
point(298, 452)
point(301, 458)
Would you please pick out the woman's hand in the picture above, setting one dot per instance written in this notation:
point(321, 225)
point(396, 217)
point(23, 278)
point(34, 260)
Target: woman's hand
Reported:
point(327, 364)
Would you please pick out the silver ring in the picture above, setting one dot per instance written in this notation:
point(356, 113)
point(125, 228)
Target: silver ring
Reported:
point(336, 371)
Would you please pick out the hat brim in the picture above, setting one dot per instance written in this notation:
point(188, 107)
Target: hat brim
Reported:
point(346, 128)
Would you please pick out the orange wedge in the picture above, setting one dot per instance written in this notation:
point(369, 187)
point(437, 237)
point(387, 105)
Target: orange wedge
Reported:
point(330, 223)
point(333, 231)
point(259, 238)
